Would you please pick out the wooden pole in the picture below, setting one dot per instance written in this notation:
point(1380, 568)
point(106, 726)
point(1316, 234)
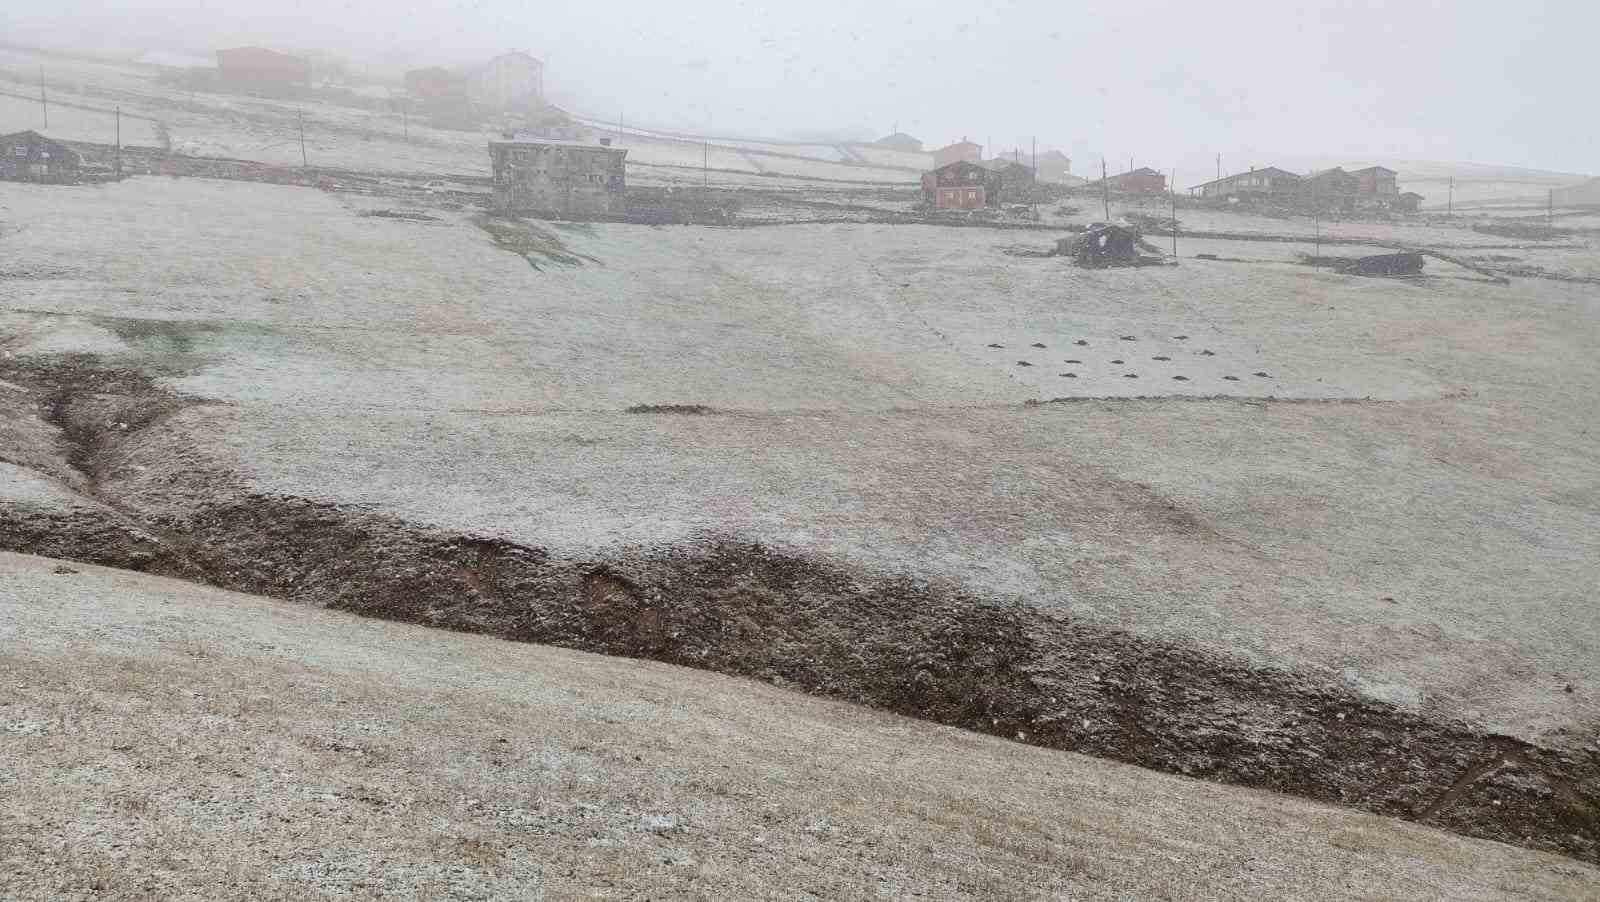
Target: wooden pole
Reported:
point(119, 140)
point(405, 121)
point(1550, 209)
point(1450, 205)
point(1219, 167)
point(1105, 188)
point(1174, 212)
point(44, 105)
point(300, 117)
point(705, 163)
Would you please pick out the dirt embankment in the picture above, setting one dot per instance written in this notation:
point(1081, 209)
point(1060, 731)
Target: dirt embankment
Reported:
point(924, 650)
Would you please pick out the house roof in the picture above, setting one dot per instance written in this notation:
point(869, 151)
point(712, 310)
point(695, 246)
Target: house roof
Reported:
point(961, 143)
point(1142, 170)
point(1374, 169)
point(1229, 178)
point(556, 142)
point(512, 54)
point(960, 163)
point(898, 136)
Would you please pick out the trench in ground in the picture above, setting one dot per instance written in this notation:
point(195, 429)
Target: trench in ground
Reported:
point(1005, 668)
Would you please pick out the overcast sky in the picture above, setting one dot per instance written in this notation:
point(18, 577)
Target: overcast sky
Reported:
point(1166, 84)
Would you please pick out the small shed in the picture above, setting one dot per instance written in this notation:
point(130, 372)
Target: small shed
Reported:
point(31, 157)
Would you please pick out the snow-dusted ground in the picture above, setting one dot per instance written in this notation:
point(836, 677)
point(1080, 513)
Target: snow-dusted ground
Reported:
point(72, 123)
point(1437, 543)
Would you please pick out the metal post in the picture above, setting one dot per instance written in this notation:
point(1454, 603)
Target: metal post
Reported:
point(300, 117)
point(44, 105)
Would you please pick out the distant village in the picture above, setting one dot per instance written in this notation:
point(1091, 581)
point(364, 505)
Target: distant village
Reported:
point(548, 161)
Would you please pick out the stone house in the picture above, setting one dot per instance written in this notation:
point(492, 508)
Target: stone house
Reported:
point(567, 178)
point(31, 157)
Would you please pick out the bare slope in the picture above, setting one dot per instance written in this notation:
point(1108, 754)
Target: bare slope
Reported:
point(161, 739)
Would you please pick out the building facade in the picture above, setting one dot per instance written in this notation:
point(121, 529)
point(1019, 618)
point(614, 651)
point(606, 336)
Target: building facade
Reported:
point(961, 185)
point(1054, 166)
point(1377, 182)
point(1016, 181)
point(262, 68)
point(562, 177)
point(510, 81)
point(960, 151)
point(1252, 185)
point(31, 157)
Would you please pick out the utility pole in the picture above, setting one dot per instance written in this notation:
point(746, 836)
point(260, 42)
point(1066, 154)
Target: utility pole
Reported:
point(300, 117)
point(405, 121)
point(1450, 205)
point(705, 163)
point(44, 105)
point(1219, 167)
point(1174, 213)
point(1105, 188)
point(119, 140)
point(1550, 210)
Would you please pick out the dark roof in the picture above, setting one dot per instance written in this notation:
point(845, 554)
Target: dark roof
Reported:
point(1142, 170)
point(1229, 178)
point(1374, 169)
point(962, 143)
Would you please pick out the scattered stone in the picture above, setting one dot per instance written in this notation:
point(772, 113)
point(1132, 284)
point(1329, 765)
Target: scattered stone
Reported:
point(1261, 374)
point(1181, 378)
point(1070, 375)
point(62, 569)
point(1130, 375)
point(1116, 361)
point(1023, 363)
point(1161, 358)
point(1231, 378)
point(1208, 353)
point(1038, 344)
point(1072, 361)
point(1081, 342)
point(1180, 337)
point(1567, 689)
point(994, 345)
point(1129, 338)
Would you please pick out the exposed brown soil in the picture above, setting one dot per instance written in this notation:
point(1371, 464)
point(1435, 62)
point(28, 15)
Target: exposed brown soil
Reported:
point(921, 649)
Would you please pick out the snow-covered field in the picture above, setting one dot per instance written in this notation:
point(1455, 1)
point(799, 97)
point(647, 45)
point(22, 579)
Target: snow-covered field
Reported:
point(1426, 459)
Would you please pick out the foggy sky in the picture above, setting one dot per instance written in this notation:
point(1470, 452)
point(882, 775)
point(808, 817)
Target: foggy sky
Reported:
point(1167, 84)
